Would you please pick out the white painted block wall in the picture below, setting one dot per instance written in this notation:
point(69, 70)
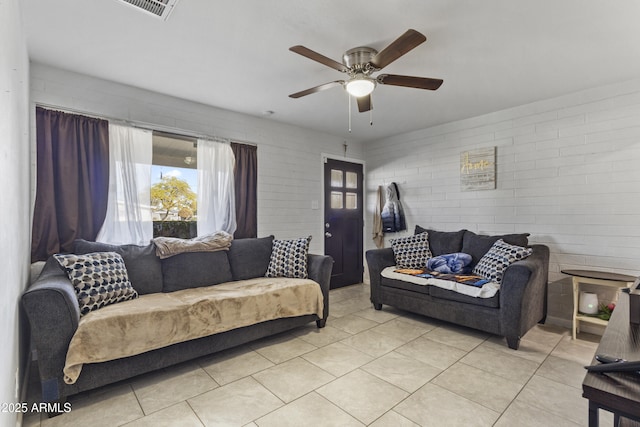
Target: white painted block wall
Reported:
point(568, 172)
point(14, 203)
point(289, 157)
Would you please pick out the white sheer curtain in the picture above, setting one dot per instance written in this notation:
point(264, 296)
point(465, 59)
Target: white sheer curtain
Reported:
point(128, 217)
point(216, 198)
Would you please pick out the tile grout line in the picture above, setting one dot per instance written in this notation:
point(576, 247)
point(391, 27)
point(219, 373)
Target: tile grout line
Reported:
point(194, 412)
point(428, 382)
point(529, 380)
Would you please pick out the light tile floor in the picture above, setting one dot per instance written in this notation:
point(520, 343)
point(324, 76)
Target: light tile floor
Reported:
point(366, 367)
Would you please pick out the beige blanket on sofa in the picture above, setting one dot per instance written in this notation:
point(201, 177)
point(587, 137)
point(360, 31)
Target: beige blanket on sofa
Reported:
point(169, 246)
point(157, 320)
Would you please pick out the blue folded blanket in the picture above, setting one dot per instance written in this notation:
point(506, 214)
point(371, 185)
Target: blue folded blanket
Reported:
point(456, 263)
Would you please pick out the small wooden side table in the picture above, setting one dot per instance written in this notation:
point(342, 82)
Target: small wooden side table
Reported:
point(601, 278)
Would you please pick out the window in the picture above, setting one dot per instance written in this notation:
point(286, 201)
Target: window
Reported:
point(341, 199)
point(174, 186)
point(352, 180)
point(119, 194)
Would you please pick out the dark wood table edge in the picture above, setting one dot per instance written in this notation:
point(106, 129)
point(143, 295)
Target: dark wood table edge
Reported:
point(617, 410)
point(599, 275)
point(616, 392)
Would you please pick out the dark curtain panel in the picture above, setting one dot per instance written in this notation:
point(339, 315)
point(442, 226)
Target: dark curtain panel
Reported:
point(72, 181)
point(246, 189)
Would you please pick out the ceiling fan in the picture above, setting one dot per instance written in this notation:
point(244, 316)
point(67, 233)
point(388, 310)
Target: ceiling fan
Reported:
point(360, 63)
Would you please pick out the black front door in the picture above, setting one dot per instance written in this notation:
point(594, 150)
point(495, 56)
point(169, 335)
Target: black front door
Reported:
point(343, 220)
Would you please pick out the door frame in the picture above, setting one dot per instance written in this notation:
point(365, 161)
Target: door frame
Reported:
point(323, 158)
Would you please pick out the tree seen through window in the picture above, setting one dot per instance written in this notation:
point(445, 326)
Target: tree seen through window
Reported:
point(174, 186)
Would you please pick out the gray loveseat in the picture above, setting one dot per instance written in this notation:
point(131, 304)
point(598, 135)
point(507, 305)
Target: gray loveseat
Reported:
point(52, 308)
point(520, 303)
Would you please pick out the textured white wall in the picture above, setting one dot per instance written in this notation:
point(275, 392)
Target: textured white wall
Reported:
point(14, 203)
point(567, 172)
point(289, 158)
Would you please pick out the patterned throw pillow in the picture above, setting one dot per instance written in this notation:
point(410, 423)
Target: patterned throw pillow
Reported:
point(99, 279)
point(411, 252)
point(289, 258)
point(501, 255)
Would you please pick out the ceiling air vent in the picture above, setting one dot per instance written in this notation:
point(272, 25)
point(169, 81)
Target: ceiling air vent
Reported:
point(159, 8)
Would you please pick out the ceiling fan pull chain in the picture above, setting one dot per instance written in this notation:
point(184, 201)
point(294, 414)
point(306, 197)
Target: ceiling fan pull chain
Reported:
point(349, 96)
point(371, 117)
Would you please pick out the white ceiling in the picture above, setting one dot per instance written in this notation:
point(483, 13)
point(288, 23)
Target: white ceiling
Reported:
point(233, 54)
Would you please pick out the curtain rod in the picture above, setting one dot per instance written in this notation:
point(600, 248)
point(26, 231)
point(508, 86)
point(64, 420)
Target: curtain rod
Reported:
point(144, 125)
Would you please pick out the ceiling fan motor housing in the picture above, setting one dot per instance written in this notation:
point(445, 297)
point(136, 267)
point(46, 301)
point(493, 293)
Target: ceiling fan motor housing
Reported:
point(358, 58)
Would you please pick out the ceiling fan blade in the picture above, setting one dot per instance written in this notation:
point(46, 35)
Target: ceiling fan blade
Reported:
point(364, 103)
point(316, 89)
point(399, 47)
point(409, 81)
point(315, 56)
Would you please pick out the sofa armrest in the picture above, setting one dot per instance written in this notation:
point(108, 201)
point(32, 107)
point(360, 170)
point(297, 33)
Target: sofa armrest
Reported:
point(52, 308)
point(378, 260)
point(523, 293)
point(319, 269)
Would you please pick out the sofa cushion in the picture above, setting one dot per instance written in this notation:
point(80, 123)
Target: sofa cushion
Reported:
point(403, 284)
point(289, 258)
point(501, 255)
point(143, 266)
point(446, 294)
point(98, 278)
point(477, 245)
point(443, 242)
point(250, 257)
point(472, 285)
point(195, 269)
point(412, 251)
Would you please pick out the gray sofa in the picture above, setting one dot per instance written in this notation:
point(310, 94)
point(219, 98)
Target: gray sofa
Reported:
point(520, 303)
point(52, 308)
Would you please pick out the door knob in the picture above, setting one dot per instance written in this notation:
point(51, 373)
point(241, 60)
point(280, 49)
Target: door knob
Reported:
point(327, 234)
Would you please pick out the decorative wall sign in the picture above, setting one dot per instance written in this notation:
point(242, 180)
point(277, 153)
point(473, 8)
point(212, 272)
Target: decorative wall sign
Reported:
point(478, 169)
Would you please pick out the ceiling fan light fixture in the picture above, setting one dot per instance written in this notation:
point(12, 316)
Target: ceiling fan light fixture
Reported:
point(360, 86)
